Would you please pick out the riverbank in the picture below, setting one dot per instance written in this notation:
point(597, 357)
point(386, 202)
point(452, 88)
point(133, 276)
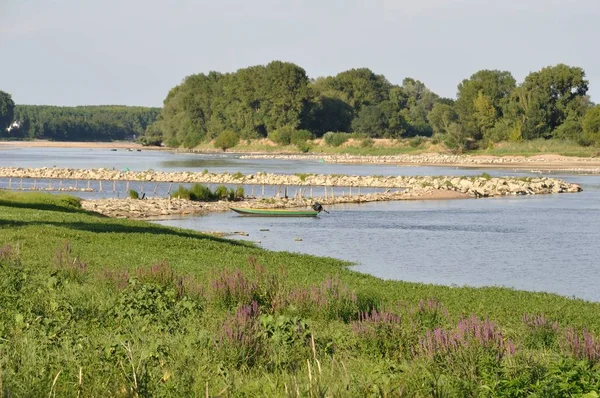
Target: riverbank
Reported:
point(540, 162)
point(133, 308)
point(156, 208)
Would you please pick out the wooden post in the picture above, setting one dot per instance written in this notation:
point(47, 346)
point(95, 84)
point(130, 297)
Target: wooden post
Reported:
point(49, 184)
point(156, 188)
point(252, 190)
point(169, 191)
point(127, 186)
point(35, 184)
point(100, 185)
point(350, 191)
point(9, 183)
point(88, 187)
point(76, 184)
point(325, 193)
point(59, 185)
point(311, 192)
point(142, 187)
point(263, 190)
point(21, 184)
point(114, 185)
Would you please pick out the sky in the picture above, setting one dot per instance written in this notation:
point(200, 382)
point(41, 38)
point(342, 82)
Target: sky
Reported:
point(132, 52)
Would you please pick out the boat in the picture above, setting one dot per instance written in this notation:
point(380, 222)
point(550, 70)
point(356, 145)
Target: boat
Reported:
point(275, 212)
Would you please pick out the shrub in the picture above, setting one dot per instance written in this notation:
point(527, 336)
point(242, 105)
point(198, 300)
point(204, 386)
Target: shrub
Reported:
point(133, 194)
point(335, 139)
point(200, 192)
point(226, 139)
point(299, 137)
point(182, 193)
point(282, 136)
point(239, 192)
point(416, 141)
point(221, 192)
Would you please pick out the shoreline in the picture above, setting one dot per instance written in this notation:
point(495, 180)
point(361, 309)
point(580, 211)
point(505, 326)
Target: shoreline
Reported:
point(170, 208)
point(535, 163)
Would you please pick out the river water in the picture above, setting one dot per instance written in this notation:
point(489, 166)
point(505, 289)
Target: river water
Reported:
point(537, 243)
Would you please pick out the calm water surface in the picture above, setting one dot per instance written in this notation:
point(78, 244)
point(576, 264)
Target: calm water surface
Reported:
point(538, 243)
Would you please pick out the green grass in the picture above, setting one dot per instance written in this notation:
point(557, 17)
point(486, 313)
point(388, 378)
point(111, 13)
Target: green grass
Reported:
point(539, 147)
point(136, 309)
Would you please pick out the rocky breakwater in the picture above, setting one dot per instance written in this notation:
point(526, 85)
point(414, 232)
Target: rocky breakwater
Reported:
point(481, 186)
point(157, 208)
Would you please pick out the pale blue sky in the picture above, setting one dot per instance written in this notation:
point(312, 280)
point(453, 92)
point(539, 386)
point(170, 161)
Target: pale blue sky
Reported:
point(131, 52)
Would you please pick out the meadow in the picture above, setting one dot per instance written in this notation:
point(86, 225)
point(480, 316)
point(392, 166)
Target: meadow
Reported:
point(94, 306)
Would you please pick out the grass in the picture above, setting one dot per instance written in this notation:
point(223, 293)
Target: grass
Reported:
point(94, 306)
point(539, 147)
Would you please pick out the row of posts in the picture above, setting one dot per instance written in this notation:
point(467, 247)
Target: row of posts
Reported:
point(281, 191)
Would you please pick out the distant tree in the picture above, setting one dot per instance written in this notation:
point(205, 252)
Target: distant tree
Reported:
point(83, 123)
point(591, 125)
point(226, 139)
point(548, 98)
point(482, 100)
point(441, 117)
point(7, 107)
point(376, 121)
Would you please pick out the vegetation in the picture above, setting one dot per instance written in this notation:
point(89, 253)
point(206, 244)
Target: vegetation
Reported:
point(7, 107)
point(202, 193)
point(94, 306)
point(80, 123)
point(278, 99)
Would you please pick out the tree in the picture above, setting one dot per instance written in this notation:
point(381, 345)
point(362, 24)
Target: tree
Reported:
point(383, 120)
point(441, 117)
point(7, 107)
point(482, 100)
point(548, 98)
point(591, 125)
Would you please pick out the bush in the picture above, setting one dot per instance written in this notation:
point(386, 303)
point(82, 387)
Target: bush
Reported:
point(415, 142)
point(226, 139)
point(239, 192)
point(221, 192)
point(299, 137)
point(182, 193)
point(200, 192)
point(335, 139)
point(133, 194)
point(282, 136)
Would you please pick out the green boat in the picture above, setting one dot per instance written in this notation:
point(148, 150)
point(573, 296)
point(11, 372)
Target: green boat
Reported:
point(275, 212)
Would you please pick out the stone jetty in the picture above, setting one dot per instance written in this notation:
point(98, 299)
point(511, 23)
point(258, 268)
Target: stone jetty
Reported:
point(479, 186)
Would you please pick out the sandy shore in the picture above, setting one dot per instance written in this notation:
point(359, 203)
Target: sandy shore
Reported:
point(541, 162)
point(60, 144)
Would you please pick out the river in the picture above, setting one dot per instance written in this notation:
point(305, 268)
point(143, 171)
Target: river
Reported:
point(537, 243)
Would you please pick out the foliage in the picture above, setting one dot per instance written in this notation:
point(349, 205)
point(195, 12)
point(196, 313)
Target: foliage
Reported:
point(81, 123)
point(282, 136)
point(335, 139)
point(591, 125)
point(299, 137)
point(7, 107)
point(226, 139)
point(133, 194)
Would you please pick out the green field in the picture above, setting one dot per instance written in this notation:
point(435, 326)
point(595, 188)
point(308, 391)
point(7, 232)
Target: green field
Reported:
point(93, 306)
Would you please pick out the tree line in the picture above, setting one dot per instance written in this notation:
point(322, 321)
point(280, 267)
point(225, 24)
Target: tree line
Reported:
point(490, 107)
point(278, 99)
point(80, 123)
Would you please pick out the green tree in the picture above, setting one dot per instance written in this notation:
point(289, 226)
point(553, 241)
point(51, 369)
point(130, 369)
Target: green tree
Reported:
point(482, 100)
point(441, 117)
point(591, 125)
point(226, 139)
point(7, 107)
point(548, 98)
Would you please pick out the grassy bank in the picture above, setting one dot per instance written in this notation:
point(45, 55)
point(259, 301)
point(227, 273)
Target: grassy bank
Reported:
point(93, 306)
point(414, 146)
